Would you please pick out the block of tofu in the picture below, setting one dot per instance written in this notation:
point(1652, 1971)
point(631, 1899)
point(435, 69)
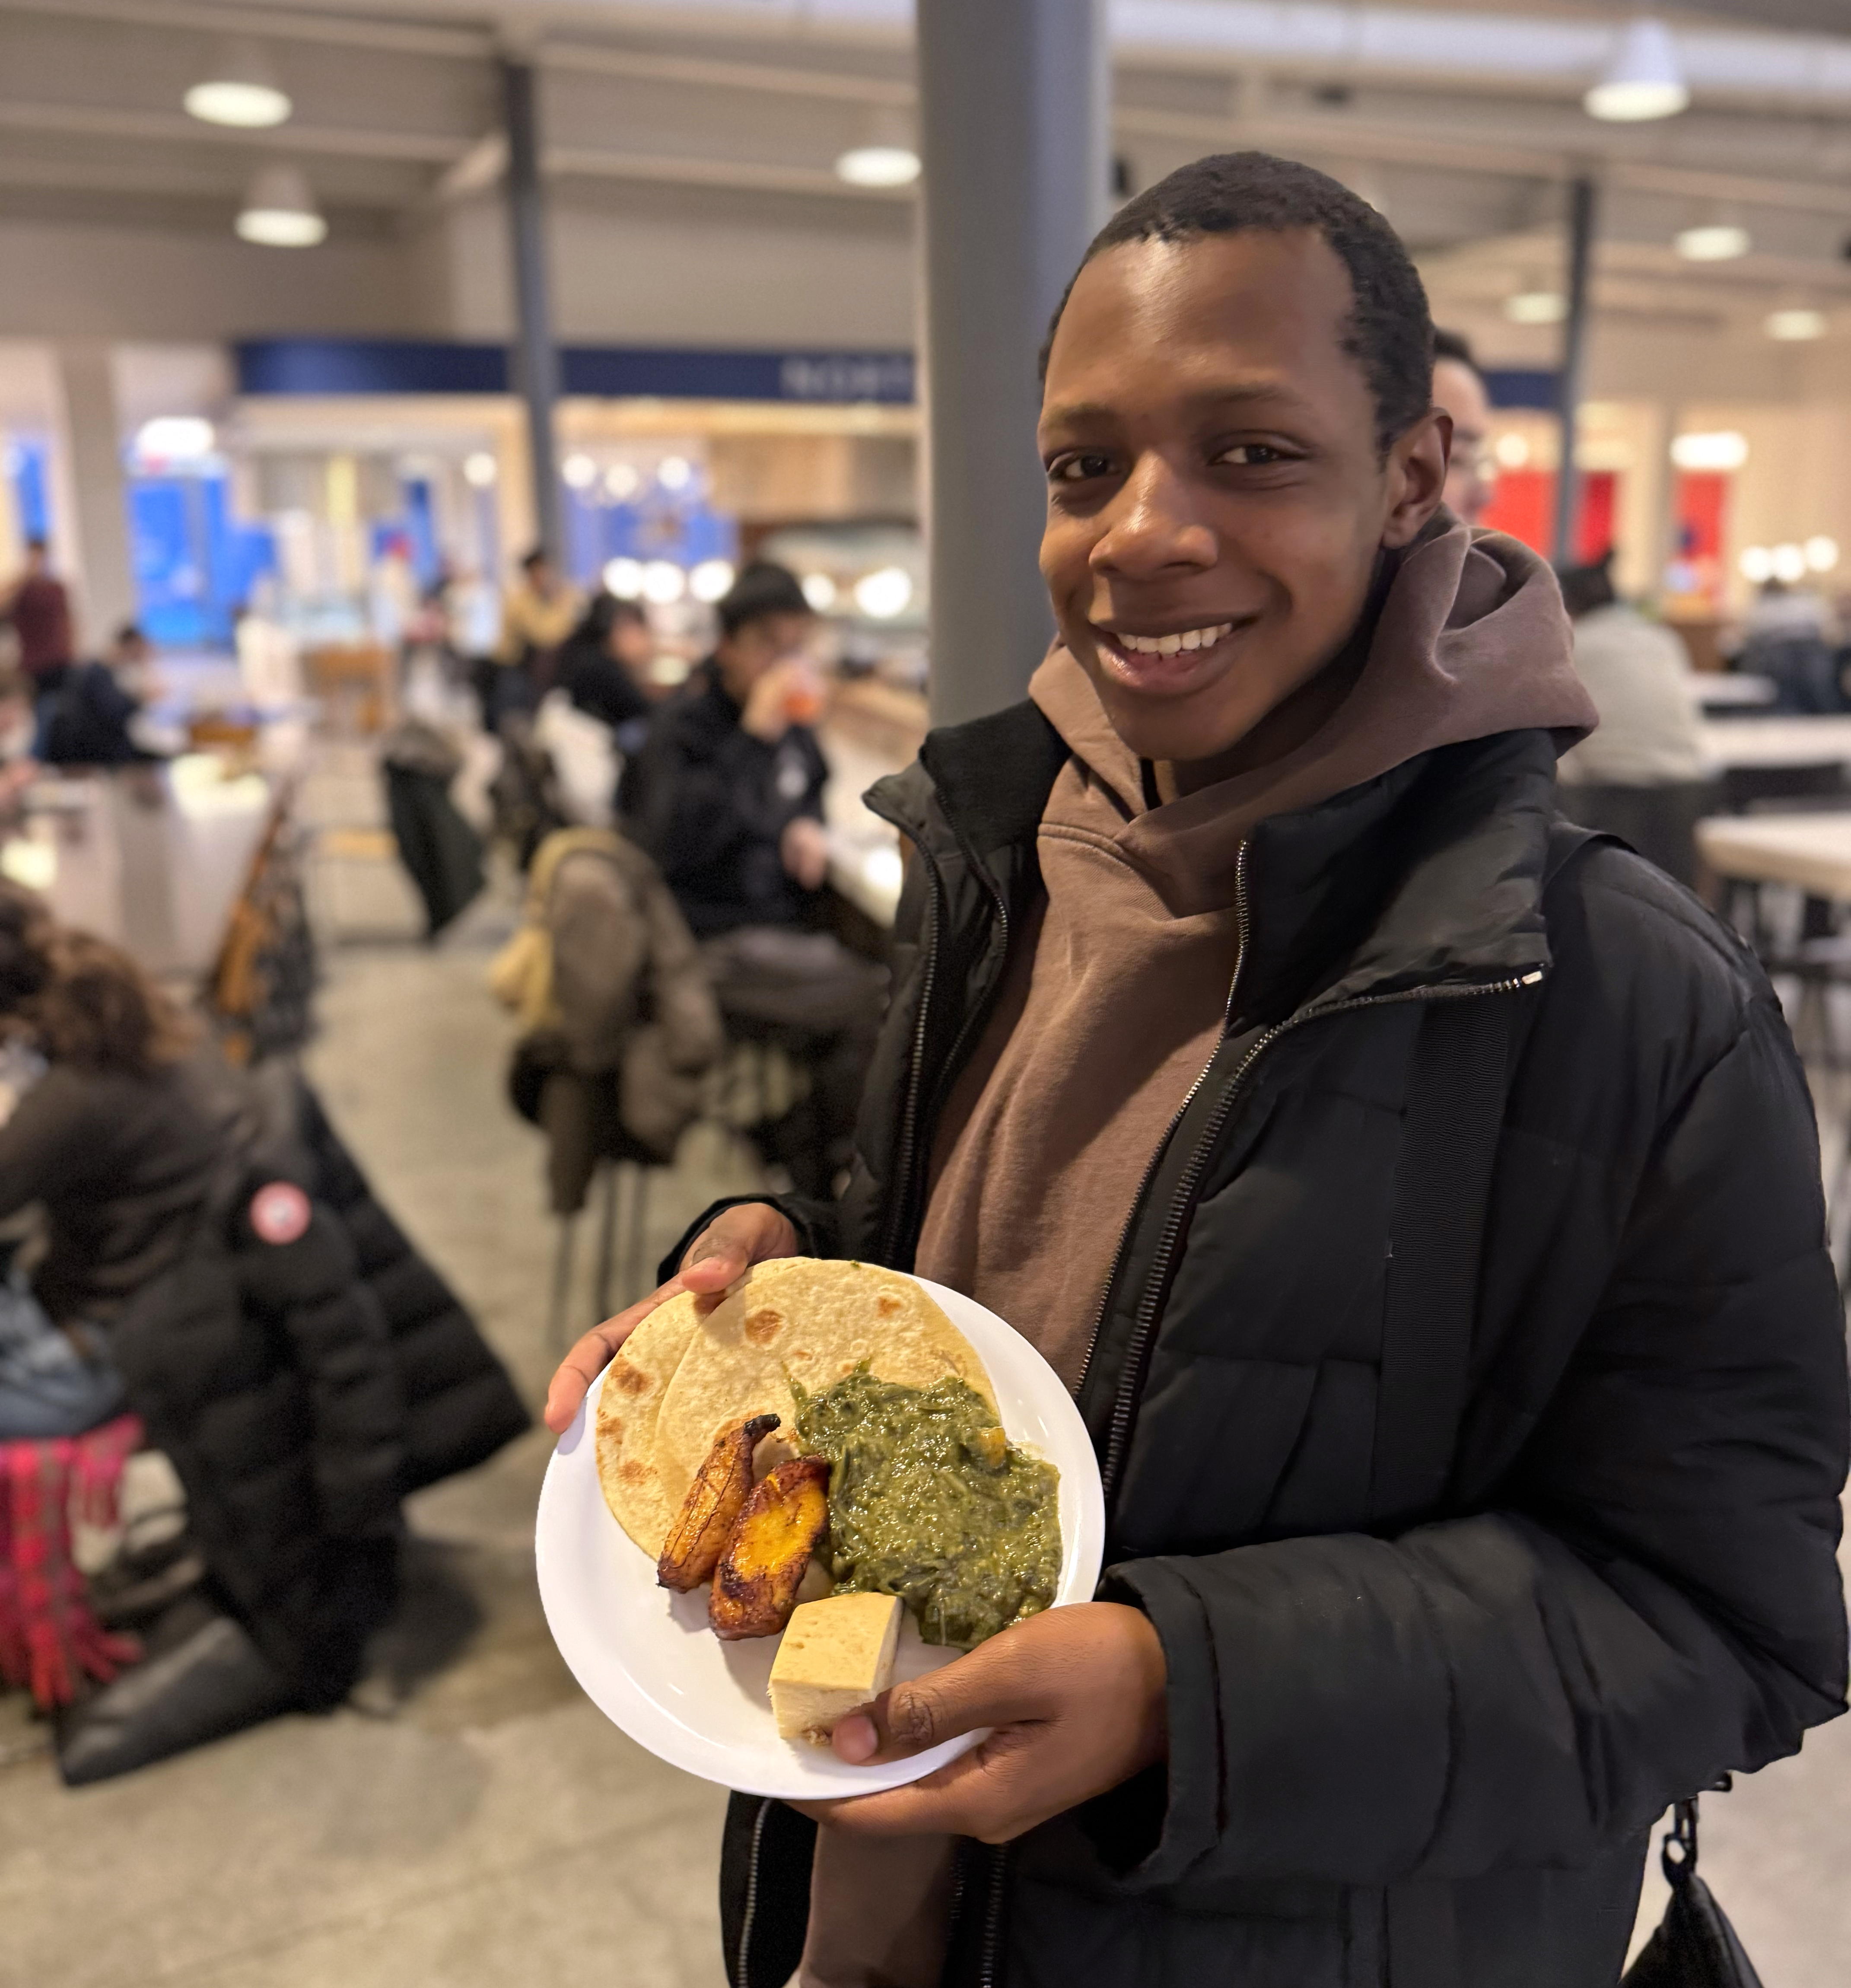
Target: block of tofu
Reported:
point(837, 1653)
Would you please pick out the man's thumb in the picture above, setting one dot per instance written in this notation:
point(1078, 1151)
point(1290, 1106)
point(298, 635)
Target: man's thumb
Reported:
point(977, 1691)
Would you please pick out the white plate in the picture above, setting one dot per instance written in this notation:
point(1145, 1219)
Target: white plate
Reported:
point(647, 1660)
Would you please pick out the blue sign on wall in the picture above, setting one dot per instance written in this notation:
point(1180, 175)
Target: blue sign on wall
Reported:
point(429, 365)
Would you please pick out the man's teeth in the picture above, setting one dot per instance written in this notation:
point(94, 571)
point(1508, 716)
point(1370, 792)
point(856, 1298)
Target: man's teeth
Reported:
point(1168, 645)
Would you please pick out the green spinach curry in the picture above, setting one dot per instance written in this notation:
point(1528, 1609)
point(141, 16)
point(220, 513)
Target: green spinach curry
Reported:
point(929, 1500)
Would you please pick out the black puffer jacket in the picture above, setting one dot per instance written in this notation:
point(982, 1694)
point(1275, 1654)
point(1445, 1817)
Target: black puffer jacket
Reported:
point(709, 802)
point(1423, 1753)
point(301, 1388)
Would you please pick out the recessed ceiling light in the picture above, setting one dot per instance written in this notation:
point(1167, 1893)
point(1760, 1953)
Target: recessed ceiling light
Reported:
point(1821, 553)
point(1795, 324)
point(1716, 241)
point(1536, 307)
point(579, 471)
point(479, 469)
point(1644, 80)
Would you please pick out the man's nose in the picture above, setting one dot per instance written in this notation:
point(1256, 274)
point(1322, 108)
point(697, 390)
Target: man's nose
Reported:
point(1153, 525)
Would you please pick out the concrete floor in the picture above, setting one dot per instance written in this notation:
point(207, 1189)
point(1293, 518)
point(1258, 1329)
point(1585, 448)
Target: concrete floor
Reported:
point(495, 1829)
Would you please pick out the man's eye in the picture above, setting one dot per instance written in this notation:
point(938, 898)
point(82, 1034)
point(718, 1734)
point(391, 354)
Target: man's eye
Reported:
point(1251, 455)
point(1078, 469)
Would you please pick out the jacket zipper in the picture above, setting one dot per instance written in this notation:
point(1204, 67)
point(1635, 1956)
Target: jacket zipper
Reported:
point(743, 1961)
point(992, 1925)
point(1125, 1403)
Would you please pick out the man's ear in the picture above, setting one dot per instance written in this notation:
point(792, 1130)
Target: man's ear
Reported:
point(1417, 477)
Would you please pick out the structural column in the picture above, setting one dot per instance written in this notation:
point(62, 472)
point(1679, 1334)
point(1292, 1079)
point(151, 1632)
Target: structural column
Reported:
point(1581, 223)
point(1013, 125)
point(536, 358)
point(92, 519)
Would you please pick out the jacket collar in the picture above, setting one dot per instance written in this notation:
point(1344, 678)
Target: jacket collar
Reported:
point(1430, 875)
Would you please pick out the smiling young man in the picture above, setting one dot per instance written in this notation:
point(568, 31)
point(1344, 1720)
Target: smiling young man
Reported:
point(1423, 1203)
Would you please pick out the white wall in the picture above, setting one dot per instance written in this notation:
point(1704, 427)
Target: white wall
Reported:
point(650, 272)
point(60, 279)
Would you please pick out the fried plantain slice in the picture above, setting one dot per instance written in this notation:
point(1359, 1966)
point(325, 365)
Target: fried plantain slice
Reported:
point(692, 1547)
point(756, 1584)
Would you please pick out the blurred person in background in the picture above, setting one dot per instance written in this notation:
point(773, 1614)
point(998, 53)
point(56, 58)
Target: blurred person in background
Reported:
point(537, 616)
point(1471, 479)
point(1641, 775)
point(39, 607)
point(603, 667)
point(119, 1139)
point(85, 719)
point(1791, 635)
point(726, 795)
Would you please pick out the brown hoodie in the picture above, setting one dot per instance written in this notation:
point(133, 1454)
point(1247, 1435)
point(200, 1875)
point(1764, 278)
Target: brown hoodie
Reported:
point(1113, 1005)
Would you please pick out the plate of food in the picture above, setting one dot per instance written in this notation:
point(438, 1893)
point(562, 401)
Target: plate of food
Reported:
point(773, 1505)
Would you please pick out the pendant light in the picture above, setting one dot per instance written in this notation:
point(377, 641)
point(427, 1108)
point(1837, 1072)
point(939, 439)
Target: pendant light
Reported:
point(1644, 80)
point(240, 89)
point(279, 211)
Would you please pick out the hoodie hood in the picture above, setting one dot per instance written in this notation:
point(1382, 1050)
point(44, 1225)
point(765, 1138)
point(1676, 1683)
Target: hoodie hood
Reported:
point(1471, 639)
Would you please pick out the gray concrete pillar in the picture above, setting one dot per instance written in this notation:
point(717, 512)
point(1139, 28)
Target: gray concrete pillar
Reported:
point(536, 360)
point(92, 521)
point(1581, 222)
point(1013, 128)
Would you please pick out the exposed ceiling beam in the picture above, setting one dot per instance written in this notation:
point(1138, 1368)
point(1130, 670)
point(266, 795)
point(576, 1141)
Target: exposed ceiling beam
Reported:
point(329, 140)
point(1349, 137)
point(747, 175)
point(349, 31)
point(588, 58)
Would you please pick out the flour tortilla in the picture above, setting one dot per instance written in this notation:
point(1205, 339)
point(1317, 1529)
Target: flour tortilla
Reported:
point(636, 1384)
point(798, 1319)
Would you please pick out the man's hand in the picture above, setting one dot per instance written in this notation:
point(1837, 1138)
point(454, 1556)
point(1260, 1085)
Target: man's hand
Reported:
point(804, 849)
point(1074, 1699)
point(788, 693)
point(723, 1252)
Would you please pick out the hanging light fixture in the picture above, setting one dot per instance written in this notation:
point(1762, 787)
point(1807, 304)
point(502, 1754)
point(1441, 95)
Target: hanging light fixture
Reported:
point(279, 211)
point(240, 89)
point(886, 157)
point(1644, 80)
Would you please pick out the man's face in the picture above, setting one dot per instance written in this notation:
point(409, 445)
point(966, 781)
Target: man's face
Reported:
point(1212, 475)
point(541, 576)
point(1470, 480)
point(745, 655)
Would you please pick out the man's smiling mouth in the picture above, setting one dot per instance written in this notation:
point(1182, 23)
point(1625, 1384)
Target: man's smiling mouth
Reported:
point(1170, 645)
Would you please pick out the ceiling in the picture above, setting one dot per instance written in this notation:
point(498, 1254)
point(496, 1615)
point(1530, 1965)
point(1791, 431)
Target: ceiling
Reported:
point(1460, 118)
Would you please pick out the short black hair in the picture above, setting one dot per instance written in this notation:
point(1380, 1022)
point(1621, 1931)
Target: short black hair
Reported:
point(1389, 332)
point(127, 632)
point(1455, 346)
point(538, 556)
point(762, 588)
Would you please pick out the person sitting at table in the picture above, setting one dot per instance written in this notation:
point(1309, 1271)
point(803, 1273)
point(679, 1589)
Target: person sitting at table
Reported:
point(1641, 775)
point(603, 665)
point(85, 718)
point(1790, 635)
point(726, 796)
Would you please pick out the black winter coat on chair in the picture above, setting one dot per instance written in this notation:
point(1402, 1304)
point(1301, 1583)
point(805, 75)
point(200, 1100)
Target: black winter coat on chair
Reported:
point(301, 1389)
